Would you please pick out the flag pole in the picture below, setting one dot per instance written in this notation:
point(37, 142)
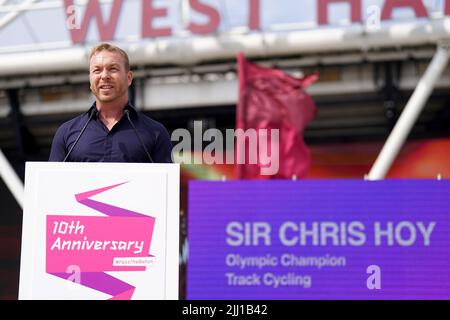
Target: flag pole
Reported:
point(242, 101)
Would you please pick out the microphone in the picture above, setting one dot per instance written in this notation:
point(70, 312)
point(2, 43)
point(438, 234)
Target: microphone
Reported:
point(127, 113)
point(92, 112)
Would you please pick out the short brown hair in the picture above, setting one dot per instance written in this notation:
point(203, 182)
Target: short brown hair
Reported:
point(111, 48)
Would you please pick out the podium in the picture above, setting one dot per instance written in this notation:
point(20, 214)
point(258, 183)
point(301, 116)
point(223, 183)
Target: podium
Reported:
point(100, 231)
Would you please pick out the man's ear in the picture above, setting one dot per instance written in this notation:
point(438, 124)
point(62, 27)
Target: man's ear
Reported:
point(130, 77)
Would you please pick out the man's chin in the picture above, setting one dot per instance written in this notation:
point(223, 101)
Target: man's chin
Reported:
point(108, 98)
point(105, 99)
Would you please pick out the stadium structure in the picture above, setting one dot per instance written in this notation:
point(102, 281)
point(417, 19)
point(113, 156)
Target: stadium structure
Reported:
point(373, 57)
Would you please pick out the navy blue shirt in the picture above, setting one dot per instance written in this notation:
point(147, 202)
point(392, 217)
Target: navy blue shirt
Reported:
point(120, 144)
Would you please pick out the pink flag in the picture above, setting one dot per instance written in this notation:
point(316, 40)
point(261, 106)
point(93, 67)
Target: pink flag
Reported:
point(272, 99)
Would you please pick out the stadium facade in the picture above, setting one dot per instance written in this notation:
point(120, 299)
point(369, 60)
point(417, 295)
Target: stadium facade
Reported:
point(370, 55)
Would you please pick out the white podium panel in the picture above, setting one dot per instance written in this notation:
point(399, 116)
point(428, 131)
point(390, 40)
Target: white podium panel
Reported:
point(100, 231)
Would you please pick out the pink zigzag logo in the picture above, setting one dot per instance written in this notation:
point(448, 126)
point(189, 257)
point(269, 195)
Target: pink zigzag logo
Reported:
point(95, 264)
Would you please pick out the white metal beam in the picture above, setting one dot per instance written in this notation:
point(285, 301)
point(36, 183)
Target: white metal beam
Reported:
point(192, 50)
point(12, 14)
point(11, 179)
point(410, 114)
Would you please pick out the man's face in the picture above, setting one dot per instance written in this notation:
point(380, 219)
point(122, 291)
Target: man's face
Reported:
point(108, 77)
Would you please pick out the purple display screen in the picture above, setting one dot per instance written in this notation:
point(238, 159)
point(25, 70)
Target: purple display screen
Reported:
point(319, 239)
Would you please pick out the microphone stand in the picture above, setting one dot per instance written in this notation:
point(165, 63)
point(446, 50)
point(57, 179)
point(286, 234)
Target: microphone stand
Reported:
point(127, 113)
point(93, 111)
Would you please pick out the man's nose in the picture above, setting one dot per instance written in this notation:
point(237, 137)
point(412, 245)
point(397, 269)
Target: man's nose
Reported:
point(105, 74)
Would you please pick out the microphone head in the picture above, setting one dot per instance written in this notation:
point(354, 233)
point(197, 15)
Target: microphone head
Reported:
point(94, 112)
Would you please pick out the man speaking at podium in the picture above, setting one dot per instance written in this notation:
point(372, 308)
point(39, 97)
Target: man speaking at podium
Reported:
point(112, 130)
